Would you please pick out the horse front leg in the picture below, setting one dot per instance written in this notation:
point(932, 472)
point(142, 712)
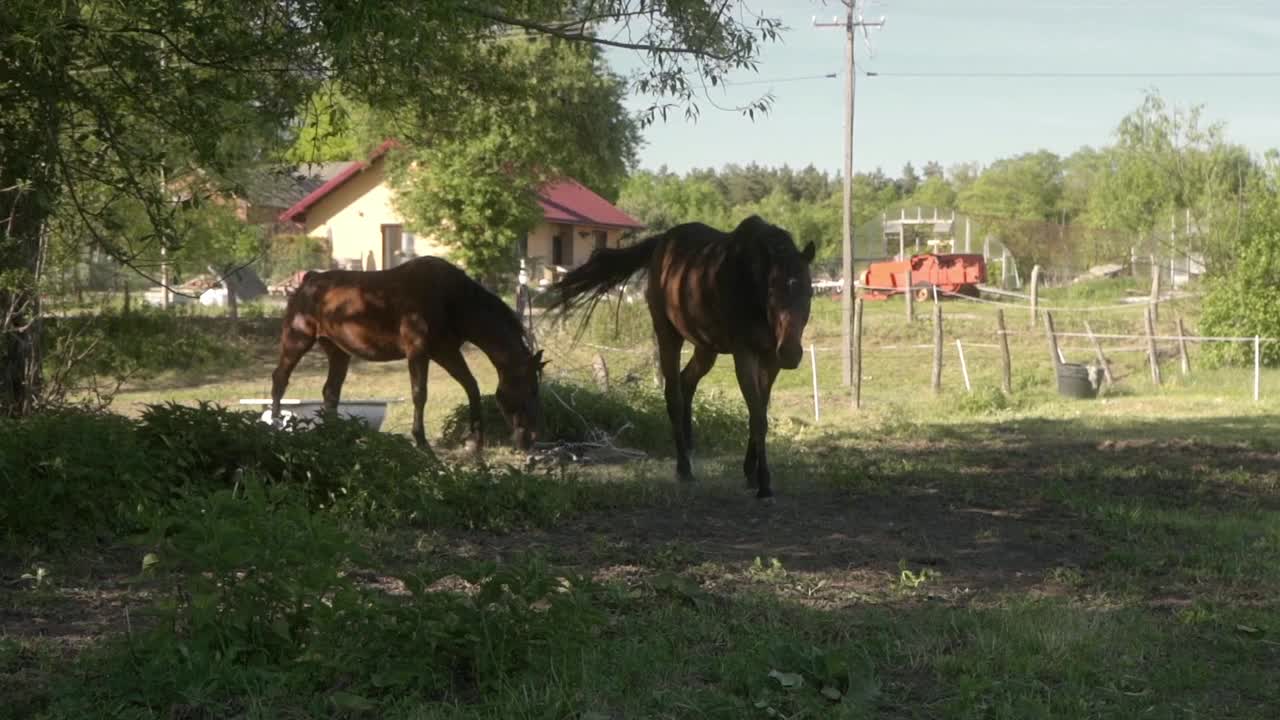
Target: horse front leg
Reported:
point(756, 382)
point(454, 364)
point(293, 345)
point(339, 363)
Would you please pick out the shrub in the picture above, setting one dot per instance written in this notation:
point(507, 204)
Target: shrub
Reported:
point(633, 415)
point(68, 475)
point(143, 343)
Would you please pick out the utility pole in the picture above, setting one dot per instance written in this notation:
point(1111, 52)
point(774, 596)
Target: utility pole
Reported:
point(853, 20)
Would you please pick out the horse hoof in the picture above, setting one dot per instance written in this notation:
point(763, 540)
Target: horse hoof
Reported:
point(684, 478)
point(765, 496)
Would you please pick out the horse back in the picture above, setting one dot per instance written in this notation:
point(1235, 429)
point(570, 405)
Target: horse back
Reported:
point(702, 280)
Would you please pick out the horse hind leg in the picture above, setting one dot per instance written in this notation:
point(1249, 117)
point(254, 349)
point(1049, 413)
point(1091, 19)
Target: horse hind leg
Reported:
point(419, 371)
point(698, 366)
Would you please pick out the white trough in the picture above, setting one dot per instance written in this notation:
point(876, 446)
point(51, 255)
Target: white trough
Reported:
point(372, 412)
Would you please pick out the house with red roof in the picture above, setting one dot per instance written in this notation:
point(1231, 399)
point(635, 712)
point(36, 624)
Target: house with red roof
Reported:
point(354, 210)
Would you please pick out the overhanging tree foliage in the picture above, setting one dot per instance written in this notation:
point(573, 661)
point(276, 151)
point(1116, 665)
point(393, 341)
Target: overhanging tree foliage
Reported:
point(104, 100)
point(473, 185)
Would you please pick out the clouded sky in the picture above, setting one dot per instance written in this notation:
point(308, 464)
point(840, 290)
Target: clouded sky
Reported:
point(966, 118)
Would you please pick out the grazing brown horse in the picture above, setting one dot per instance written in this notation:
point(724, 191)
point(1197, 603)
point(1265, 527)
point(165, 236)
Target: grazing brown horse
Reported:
point(421, 311)
point(745, 293)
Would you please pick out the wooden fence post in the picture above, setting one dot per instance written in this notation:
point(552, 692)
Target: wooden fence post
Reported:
point(911, 298)
point(1182, 348)
point(1035, 293)
point(1151, 346)
point(857, 353)
point(1155, 291)
point(813, 364)
point(1006, 364)
point(1054, 352)
point(937, 348)
point(1257, 368)
point(600, 372)
point(1102, 359)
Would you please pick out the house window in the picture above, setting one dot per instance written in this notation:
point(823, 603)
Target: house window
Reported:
point(522, 247)
point(408, 246)
point(602, 239)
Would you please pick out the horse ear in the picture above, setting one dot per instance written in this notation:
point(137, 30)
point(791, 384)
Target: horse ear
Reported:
point(809, 252)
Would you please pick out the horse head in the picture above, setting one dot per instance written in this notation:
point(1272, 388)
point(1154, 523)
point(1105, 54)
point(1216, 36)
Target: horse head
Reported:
point(519, 400)
point(783, 271)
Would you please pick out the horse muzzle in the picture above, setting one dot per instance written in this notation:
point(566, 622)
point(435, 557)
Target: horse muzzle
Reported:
point(790, 355)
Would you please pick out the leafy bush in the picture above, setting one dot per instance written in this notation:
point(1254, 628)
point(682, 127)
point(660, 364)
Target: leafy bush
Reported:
point(284, 255)
point(1242, 301)
point(80, 474)
point(69, 475)
point(633, 415)
point(143, 343)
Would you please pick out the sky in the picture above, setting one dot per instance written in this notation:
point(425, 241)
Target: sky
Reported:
point(967, 119)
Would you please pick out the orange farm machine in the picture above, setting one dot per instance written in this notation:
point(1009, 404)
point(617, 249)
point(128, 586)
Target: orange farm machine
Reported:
point(949, 273)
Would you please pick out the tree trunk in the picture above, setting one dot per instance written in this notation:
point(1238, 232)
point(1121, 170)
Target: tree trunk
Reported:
point(22, 215)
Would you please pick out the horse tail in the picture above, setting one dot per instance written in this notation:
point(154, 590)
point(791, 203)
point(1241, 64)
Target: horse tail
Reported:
point(608, 268)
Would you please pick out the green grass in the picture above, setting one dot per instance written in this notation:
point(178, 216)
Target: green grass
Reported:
point(966, 555)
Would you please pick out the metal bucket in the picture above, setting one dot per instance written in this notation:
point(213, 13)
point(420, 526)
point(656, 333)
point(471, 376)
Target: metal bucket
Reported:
point(1078, 381)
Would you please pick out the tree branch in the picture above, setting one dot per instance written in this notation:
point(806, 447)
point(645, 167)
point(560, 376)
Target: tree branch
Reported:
point(563, 34)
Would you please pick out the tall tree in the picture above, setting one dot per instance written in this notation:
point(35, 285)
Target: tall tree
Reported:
point(103, 100)
point(1016, 197)
point(474, 185)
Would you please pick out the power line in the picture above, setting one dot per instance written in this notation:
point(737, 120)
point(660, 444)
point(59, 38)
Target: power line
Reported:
point(1078, 74)
point(778, 81)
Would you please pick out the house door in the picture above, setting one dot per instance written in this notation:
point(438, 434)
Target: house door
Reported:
point(562, 247)
point(392, 242)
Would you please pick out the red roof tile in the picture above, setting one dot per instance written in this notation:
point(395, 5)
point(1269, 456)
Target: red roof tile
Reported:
point(569, 201)
point(299, 209)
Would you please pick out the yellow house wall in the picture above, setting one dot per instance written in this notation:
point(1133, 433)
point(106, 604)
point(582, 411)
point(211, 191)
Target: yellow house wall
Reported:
point(353, 216)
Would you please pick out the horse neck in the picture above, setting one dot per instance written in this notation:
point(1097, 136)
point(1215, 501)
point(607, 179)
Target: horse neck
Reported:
point(503, 349)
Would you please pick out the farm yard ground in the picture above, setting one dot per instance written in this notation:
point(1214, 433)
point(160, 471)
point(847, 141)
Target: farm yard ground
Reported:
point(967, 555)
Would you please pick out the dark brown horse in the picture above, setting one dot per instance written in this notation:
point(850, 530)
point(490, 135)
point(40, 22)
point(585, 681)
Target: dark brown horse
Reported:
point(745, 293)
point(421, 311)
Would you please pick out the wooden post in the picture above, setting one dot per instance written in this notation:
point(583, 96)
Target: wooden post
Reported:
point(1035, 293)
point(1155, 291)
point(964, 368)
point(1102, 359)
point(1006, 365)
point(1257, 368)
point(857, 354)
point(600, 372)
point(937, 348)
point(1055, 355)
point(1182, 348)
point(911, 298)
point(1151, 345)
point(813, 363)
